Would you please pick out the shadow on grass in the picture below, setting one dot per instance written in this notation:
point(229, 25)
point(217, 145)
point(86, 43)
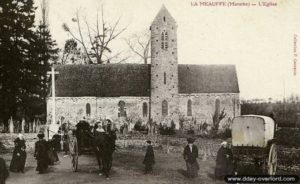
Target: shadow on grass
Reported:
point(182, 172)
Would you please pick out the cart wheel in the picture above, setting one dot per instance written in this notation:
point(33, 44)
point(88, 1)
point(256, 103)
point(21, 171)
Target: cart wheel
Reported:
point(272, 161)
point(75, 162)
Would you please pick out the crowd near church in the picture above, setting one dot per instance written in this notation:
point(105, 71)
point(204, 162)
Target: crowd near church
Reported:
point(97, 96)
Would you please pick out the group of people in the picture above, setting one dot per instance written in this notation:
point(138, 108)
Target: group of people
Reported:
point(104, 145)
point(44, 153)
point(224, 161)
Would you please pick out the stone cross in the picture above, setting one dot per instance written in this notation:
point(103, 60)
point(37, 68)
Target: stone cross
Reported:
point(52, 73)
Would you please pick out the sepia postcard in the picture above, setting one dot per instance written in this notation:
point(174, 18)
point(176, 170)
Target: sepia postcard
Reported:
point(140, 91)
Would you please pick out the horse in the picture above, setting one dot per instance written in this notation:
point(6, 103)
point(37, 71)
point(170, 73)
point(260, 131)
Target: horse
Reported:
point(104, 148)
point(101, 143)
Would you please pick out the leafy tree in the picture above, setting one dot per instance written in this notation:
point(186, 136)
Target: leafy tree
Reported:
point(70, 51)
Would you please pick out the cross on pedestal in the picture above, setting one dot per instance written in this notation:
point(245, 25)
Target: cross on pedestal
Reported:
point(52, 73)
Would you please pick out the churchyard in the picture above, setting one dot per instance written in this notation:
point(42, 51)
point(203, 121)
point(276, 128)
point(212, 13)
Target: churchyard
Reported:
point(127, 164)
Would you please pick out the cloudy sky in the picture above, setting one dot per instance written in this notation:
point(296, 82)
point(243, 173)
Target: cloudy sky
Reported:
point(258, 40)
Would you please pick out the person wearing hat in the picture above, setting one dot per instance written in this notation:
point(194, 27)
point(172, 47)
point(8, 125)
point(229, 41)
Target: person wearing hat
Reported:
point(3, 171)
point(190, 155)
point(18, 160)
point(73, 146)
point(100, 129)
point(224, 161)
point(40, 154)
point(149, 159)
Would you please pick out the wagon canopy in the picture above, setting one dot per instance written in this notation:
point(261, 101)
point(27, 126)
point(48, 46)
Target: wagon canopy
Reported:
point(252, 130)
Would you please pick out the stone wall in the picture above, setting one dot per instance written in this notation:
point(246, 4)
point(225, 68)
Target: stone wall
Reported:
point(203, 106)
point(7, 139)
point(73, 109)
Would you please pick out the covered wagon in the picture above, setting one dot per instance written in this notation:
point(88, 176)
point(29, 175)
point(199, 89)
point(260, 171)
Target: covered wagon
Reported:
point(253, 140)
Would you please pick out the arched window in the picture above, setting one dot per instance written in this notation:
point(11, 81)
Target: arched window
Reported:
point(164, 108)
point(165, 78)
point(164, 40)
point(122, 110)
point(189, 108)
point(88, 109)
point(217, 106)
point(145, 109)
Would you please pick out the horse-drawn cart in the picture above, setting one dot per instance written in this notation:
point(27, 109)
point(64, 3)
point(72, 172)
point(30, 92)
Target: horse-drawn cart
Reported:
point(80, 141)
point(253, 140)
point(96, 140)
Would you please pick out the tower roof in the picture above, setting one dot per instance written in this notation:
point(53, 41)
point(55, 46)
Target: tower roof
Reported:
point(163, 14)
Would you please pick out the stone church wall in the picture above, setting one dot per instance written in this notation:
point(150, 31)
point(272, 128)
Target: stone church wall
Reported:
point(73, 109)
point(203, 107)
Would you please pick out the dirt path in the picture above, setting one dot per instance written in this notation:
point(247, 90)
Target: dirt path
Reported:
point(127, 168)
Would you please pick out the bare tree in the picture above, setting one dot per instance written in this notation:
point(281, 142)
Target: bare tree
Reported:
point(99, 37)
point(139, 44)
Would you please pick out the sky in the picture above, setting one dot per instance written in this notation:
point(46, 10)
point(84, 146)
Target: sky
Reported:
point(262, 42)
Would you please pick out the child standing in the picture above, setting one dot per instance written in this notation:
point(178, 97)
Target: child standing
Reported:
point(149, 160)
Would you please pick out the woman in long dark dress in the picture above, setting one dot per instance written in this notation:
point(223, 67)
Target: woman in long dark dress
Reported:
point(18, 160)
point(190, 155)
point(224, 162)
point(41, 150)
point(3, 171)
point(149, 159)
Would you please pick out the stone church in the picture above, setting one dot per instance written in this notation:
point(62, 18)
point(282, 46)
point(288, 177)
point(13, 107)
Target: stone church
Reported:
point(163, 90)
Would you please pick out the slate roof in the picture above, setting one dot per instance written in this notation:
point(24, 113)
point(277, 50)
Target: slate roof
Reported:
point(207, 79)
point(114, 80)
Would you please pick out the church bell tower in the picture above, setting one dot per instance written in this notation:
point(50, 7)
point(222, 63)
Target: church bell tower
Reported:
point(164, 68)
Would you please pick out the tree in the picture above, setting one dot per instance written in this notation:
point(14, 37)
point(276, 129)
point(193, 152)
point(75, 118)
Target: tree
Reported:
point(99, 38)
point(139, 44)
point(70, 49)
point(217, 117)
point(24, 54)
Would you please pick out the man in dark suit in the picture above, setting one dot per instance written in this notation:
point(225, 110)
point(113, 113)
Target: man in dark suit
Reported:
point(190, 156)
point(3, 171)
point(149, 160)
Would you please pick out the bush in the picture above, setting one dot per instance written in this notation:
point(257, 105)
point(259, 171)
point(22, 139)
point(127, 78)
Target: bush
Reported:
point(164, 130)
point(191, 132)
point(139, 127)
point(2, 147)
point(288, 137)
